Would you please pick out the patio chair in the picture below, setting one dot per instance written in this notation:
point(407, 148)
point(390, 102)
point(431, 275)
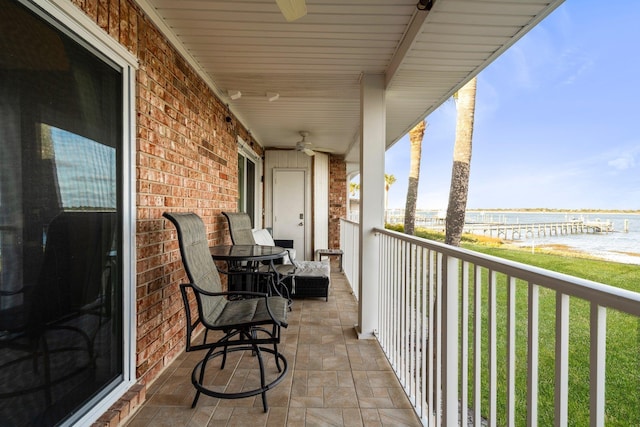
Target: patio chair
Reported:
point(243, 234)
point(248, 321)
point(300, 278)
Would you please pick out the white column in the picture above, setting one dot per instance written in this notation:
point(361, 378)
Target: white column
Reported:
point(372, 148)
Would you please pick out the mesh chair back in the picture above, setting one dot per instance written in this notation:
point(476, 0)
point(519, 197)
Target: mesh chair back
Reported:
point(197, 261)
point(240, 228)
point(76, 259)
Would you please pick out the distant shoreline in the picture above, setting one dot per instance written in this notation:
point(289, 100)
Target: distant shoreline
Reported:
point(557, 210)
point(565, 250)
point(536, 210)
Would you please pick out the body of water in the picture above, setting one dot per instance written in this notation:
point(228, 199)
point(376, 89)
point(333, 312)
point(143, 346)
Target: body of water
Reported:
point(618, 246)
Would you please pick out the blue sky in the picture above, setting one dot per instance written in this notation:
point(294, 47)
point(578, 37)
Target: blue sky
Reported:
point(557, 120)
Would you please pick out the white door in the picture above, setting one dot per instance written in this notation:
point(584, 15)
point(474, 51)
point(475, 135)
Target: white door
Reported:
point(289, 216)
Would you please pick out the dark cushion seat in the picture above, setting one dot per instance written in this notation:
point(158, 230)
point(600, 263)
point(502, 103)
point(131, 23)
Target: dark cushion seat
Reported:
point(310, 279)
point(249, 312)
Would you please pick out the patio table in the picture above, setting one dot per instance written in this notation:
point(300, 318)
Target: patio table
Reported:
point(251, 263)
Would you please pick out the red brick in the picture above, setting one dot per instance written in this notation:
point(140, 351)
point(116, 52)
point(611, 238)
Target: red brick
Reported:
point(180, 165)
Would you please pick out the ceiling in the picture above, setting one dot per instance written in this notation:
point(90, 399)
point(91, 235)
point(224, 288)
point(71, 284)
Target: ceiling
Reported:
point(313, 65)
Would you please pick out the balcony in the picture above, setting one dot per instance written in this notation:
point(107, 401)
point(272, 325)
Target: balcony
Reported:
point(333, 379)
point(512, 344)
point(487, 354)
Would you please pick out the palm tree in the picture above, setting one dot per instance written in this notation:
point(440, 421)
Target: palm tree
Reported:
point(466, 105)
point(354, 188)
point(415, 137)
point(389, 180)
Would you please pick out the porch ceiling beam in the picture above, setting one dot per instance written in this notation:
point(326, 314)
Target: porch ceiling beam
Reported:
point(406, 44)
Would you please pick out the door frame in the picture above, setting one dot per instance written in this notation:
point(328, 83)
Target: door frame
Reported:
point(69, 18)
point(305, 200)
point(247, 152)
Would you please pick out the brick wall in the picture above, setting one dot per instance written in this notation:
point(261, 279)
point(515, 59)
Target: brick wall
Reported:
point(337, 198)
point(186, 159)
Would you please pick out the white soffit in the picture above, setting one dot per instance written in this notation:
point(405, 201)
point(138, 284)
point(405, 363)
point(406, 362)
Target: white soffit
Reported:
point(314, 63)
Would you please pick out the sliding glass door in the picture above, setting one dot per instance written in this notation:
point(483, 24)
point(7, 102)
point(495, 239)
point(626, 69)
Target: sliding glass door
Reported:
point(247, 187)
point(61, 241)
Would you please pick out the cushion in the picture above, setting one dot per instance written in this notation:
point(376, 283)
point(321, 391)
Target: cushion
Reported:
point(311, 279)
point(313, 268)
point(263, 237)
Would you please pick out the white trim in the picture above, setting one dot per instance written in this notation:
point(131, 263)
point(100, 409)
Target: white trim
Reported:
point(245, 150)
point(129, 226)
point(83, 28)
point(320, 195)
point(79, 23)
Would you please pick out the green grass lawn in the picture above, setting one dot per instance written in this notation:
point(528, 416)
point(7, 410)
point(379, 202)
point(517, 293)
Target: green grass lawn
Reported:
point(623, 339)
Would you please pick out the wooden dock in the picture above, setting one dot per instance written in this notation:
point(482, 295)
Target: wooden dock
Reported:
point(527, 231)
point(517, 231)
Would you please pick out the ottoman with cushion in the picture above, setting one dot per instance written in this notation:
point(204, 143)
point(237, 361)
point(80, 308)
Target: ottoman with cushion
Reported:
point(310, 279)
point(302, 278)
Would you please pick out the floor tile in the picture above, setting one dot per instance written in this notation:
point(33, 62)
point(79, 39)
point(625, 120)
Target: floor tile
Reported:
point(333, 378)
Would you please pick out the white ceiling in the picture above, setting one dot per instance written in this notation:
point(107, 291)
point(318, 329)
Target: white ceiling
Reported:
point(315, 63)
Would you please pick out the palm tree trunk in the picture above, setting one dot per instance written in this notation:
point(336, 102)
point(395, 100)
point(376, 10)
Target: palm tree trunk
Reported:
point(456, 211)
point(389, 180)
point(415, 137)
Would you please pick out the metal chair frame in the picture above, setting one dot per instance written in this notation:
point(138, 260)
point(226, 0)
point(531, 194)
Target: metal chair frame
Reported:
point(249, 321)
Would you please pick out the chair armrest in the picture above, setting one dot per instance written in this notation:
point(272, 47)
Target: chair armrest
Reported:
point(238, 293)
point(222, 294)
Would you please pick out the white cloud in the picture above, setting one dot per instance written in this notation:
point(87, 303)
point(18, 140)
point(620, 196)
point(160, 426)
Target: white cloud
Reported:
point(574, 64)
point(623, 162)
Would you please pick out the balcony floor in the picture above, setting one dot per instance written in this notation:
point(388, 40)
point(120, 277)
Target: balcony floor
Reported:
point(334, 379)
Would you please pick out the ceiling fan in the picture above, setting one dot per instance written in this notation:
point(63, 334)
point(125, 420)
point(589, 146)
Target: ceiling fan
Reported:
point(292, 9)
point(304, 146)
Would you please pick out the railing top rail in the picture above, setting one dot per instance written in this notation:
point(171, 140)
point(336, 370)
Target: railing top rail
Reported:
point(350, 221)
point(602, 294)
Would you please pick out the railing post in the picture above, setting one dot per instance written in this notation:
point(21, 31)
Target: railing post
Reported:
point(597, 363)
point(449, 334)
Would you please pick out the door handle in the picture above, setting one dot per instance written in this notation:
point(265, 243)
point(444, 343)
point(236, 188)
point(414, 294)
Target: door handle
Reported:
point(301, 224)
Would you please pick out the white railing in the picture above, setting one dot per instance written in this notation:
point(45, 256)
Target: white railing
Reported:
point(349, 243)
point(501, 346)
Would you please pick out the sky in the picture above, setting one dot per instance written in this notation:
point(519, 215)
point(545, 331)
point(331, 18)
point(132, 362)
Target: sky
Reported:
point(557, 122)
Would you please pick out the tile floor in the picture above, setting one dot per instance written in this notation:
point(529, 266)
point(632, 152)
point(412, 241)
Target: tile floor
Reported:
point(334, 379)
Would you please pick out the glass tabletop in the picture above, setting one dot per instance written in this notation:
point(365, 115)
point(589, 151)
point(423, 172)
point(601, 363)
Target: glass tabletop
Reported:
point(246, 252)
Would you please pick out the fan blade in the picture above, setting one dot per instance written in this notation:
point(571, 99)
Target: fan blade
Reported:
point(323, 150)
point(292, 9)
point(308, 152)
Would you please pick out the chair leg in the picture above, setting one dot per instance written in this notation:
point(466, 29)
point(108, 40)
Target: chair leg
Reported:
point(263, 385)
point(275, 331)
point(195, 399)
point(204, 365)
point(224, 358)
